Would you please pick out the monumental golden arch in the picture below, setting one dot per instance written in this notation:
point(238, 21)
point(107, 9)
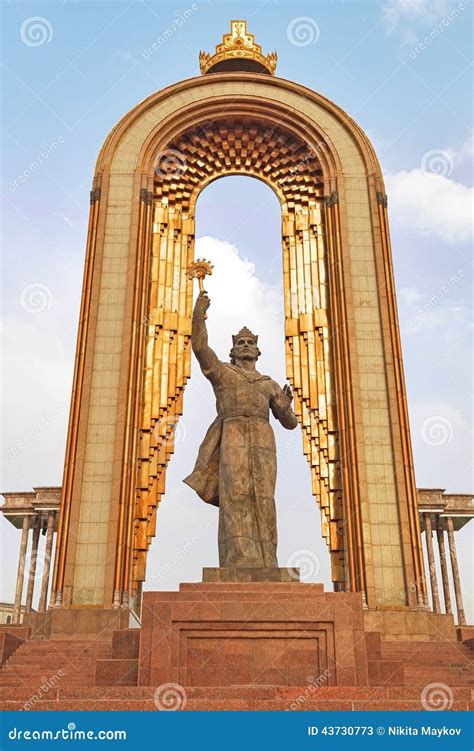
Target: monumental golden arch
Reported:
point(343, 353)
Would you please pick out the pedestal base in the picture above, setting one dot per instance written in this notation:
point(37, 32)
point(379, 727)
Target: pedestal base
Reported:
point(241, 574)
point(77, 623)
point(248, 633)
point(410, 625)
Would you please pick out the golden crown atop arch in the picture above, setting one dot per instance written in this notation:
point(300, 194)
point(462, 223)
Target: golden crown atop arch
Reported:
point(238, 51)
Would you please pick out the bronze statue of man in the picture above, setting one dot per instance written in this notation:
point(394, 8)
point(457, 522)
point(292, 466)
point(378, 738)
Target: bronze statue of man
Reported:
point(236, 464)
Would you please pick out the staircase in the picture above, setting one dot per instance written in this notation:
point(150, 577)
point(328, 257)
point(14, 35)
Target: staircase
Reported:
point(102, 675)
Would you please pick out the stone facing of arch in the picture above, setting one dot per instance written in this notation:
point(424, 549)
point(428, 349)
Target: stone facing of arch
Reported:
point(381, 537)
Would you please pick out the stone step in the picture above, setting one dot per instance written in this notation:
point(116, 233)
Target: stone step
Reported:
point(126, 644)
point(250, 698)
point(310, 705)
point(61, 648)
point(79, 659)
point(24, 693)
point(382, 672)
point(19, 658)
point(34, 680)
point(229, 596)
point(290, 694)
point(35, 657)
point(87, 705)
point(374, 693)
point(9, 680)
point(417, 678)
point(226, 705)
point(83, 666)
point(8, 645)
point(20, 631)
point(425, 647)
point(431, 670)
point(37, 668)
point(248, 586)
point(116, 672)
point(442, 664)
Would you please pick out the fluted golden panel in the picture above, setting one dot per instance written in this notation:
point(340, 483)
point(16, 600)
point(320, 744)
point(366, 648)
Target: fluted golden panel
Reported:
point(309, 364)
point(167, 368)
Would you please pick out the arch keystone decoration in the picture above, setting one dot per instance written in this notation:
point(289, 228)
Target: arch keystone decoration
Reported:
point(343, 353)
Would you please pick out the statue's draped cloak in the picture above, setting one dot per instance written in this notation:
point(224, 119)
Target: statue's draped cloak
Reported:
point(236, 466)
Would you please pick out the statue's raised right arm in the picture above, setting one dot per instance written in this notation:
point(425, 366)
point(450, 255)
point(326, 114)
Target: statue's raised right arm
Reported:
point(206, 357)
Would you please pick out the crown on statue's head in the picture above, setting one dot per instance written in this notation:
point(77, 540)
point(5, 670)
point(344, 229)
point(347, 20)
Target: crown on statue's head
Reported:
point(246, 333)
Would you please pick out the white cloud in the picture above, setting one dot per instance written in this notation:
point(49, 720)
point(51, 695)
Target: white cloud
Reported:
point(398, 12)
point(431, 205)
point(239, 298)
point(448, 323)
point(439, 434)
point(409, 295)
point(465, 153)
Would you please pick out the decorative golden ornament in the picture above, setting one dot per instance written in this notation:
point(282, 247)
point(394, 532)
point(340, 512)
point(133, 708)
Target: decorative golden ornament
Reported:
point(238, 51)
point(199, 269)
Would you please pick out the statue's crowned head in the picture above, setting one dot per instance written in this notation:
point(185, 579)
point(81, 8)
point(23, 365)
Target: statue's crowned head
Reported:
point(244, 346)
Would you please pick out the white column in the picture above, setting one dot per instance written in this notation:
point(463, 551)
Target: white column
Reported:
point(47, 562)
point(21, 570)
point(432, 564)
point(444, 566)
point(455, 570)
point(32, 571)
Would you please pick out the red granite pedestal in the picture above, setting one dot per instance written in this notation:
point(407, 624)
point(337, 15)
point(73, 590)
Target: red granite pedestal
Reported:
point(246, 633)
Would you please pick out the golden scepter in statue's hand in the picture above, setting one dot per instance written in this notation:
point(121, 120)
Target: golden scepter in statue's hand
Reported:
point(198, 270)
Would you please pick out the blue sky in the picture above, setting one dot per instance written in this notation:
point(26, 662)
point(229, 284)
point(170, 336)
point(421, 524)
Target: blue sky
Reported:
point(401, 68)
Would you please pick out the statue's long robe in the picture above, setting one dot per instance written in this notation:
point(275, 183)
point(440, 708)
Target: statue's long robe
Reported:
point(236, 466)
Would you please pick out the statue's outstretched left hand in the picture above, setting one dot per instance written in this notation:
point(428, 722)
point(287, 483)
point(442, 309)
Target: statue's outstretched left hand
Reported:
point(288, 393)
point(283, 398)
